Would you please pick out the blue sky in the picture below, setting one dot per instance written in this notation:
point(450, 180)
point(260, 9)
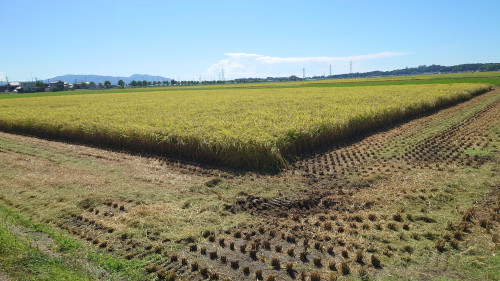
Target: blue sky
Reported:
point(189, 39)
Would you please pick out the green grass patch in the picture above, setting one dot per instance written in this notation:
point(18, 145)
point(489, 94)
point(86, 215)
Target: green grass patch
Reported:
point(21, 257)
point(478, 151)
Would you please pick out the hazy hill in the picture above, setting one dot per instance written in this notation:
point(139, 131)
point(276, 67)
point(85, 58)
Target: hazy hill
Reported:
point(72, 78)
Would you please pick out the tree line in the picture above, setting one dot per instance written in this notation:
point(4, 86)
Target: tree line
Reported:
point(424, 69)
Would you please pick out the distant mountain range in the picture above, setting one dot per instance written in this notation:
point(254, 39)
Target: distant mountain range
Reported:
point(72, 78)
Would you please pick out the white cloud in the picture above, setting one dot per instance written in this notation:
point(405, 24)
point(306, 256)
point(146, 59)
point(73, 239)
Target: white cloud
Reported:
point(254, 65)
point(273, 60)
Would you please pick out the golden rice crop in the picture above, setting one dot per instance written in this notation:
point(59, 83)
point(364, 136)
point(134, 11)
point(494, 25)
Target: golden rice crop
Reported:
point(249, 128)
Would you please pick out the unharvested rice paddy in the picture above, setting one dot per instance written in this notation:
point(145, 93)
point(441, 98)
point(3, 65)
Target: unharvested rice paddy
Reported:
point(249, 128)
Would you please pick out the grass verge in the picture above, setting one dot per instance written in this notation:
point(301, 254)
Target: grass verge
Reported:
point(30, 251)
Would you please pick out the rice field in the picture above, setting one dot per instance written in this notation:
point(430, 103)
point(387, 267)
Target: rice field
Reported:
point(260, 129)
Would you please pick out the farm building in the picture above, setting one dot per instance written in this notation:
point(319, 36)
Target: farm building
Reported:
point(10, 87)
point(59, 85)
point(28, 87)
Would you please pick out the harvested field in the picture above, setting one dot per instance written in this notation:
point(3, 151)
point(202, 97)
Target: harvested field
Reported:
point(416, 200)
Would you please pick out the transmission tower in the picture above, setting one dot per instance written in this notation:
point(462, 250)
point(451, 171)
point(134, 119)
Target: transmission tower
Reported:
point(350, 68)
point(222, 74)
point(330, 70)
point(303, 73)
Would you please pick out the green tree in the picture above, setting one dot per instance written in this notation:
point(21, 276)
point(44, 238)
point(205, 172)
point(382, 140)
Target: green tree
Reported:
point(84, 85)
point(40, 86)
point(107, 84)
point(173, 82)
point(165, 83)
point(100, 85)
point(92, 85)
point(144, 83)
point(133, 83)
point(121, 83)
point(139, 83)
